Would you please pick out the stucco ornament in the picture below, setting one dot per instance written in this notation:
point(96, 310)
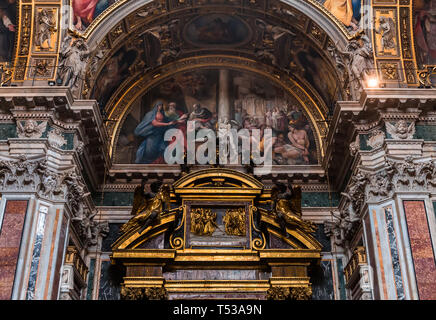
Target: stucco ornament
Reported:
point(401, 130)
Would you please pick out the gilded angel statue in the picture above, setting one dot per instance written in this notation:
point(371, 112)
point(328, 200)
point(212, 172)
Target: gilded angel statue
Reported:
point(287, 207)
point(147, 208)
point(401, 130)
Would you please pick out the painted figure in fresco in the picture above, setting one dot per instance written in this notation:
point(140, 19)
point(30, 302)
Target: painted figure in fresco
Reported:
point(152, 129)
point(343, 10)
point(7, 33)
point(116, 70)
point(202, 117)
point(298, 149)
point(85, 11)
point(173, 114)
point(425, 30)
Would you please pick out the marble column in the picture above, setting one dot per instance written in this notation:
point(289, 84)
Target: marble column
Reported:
point(224, 95)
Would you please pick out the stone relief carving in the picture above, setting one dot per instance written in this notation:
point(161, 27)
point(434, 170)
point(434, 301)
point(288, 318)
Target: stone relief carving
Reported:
point(88, 229)
point(376, 138)
point(45, 27)
point(408, 174)
point(55, 138)
point(387, 31)
point(29, 175)
point(401, 130)
point(30, 129)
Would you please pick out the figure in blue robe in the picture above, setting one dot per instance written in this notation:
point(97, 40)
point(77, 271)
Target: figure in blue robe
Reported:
point(356, 9)
point(152, 129)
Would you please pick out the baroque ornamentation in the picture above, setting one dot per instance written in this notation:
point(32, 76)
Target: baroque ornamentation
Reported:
point(289, 293)
point(360, 62)
point(55, 138)
point(150, 210)
point(30, 129)
point(387, 30)
point(25, 175)
point(72, 62)
point(401, 130)
point(407, 174)
point(45, 27)
point(151, 293)
point(286, 207)
point(376, 138)
point(203, 222)
point(234, 222)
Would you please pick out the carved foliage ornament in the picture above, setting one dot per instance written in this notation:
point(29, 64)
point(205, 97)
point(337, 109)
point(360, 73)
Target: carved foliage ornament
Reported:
point(152, 293)
point(367, 185)
point(289, 293)
point(24, 175)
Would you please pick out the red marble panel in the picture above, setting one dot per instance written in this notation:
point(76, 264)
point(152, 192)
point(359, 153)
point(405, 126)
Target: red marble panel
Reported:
point(10, 239)
point(422, 249)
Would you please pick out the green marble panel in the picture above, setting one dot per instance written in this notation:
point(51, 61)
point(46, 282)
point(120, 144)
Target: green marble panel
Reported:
point(8, 130)
point(90, 280)
point(363, 139)
point(341, 278)
point(113, 199)
point(309, 199)
point(425, 132)
point(320, 199)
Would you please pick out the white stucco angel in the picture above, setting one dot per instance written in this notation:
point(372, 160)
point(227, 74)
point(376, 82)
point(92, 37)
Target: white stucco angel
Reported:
point(73, 62)
point(401, 130)
point(360, 60)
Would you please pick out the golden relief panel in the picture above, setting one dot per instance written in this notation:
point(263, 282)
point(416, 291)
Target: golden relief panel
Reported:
point(385, 33)
point(46, 26)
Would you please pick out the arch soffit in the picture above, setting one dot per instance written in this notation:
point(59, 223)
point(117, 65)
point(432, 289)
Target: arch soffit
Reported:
point(315, 11)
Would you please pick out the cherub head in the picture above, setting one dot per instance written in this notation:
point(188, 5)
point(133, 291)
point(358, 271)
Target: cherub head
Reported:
point(402, 127)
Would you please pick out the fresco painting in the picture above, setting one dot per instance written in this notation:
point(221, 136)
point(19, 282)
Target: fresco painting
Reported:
point(250, 102)
point(8, 27)
point(85, 11)
point(347, 11)
point(425, 31)
point(216, 29)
